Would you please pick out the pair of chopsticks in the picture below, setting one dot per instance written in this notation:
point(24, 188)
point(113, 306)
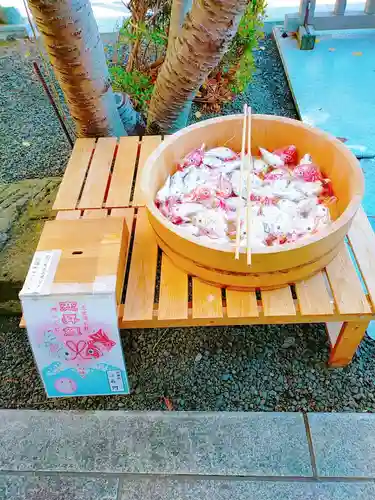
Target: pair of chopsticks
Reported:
point(246, 132)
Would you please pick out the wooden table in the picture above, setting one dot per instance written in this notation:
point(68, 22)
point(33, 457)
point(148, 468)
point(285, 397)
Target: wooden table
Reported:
point(102, 180)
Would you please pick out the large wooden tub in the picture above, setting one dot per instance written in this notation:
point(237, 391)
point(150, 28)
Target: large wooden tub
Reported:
point(271, 267)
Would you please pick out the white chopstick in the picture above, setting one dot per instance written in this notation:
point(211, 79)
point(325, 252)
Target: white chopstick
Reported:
point(249, 182)
point(238, 222)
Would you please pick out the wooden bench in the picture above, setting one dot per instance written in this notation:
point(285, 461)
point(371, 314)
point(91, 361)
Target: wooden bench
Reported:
point(102, 180)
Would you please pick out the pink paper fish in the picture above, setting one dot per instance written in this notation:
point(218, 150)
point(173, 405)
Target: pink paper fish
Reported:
point(308, 172)
point(224, 188)
point(194, 158)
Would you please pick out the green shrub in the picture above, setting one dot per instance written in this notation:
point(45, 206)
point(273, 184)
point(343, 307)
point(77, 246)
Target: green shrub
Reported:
point(239, 58)
point(136, 84)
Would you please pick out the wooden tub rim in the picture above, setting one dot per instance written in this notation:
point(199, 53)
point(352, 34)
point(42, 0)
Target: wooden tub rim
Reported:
point(334, 227)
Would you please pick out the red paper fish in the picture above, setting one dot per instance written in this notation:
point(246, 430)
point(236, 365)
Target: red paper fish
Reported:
point(201, 193)
point(276, 174)
point(288, 154)
point(308, 172)
point(264, 200)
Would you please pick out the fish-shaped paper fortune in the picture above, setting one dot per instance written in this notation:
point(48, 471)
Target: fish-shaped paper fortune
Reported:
point(289, 196)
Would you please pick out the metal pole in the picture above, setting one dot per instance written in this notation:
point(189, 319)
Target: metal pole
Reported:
point(307, 5)
point(370, 7)
point(50, 98)
point(340, 7)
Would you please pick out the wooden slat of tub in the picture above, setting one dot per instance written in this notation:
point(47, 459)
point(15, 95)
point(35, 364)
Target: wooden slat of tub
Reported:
point(362, 241)
point(313, 296)
point(139, 301)
point(346, 286)
point(99, 213)
point(207, 302)
point(123, 173)
point(68, 215)
point(97, 177)
point(71, 184)
point(241, 304)
point(278, 302)
point(148, 145)
point(173, 296)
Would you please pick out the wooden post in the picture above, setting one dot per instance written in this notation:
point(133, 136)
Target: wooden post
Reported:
point(340, 7)
point(347, 343)
point(370, 7)
point(302, 11)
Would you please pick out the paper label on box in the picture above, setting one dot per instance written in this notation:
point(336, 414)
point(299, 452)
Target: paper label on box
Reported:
point(76, 344)
point(115, 380)
point(41, 272)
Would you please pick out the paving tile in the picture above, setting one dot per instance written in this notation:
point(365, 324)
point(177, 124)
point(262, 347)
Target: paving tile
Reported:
point(344, 443)
point(57, 487)
point(190, 489)
point(155, 442)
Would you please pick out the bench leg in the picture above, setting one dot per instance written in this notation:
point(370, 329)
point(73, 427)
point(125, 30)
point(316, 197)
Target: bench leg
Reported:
point(348, 340)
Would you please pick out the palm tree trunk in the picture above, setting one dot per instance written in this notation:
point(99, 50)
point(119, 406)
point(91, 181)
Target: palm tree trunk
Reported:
point(206, 33)
point(178, 12)
point(76, 52)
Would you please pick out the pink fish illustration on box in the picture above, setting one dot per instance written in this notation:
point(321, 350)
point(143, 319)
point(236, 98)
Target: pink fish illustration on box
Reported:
point(101, 338)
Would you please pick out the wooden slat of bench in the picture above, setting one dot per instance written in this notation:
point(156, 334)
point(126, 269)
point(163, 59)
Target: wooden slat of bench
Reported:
point(207, 302)
point(68, 215)
point(139, 301)
point(71, 184)
point(123, 173)
point(278, 302)
point(346, 285)
point(362, 241)
point(173, 296)
point(333, 331)
point(313, 296)
point(98, 175)
point(99, 213)
point(148, 145)
point(241, 304)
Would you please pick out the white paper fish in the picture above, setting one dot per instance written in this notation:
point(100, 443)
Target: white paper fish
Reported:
point(288, 207)
point(271, 159)
point(212, 161)
point(231, 166)
point(165, 191)
point(306, 160)
point(259, 166)
point(190, 229)
point(204, 199)
point(308, 188)
point(177, 186)
point(187, 210)
point(223, 153)
point(211, 223)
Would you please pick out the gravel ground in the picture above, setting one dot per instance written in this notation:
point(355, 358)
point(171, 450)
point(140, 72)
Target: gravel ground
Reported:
point(267, 368)
point(268, 92)
point(273, 368)
point(32, 144)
